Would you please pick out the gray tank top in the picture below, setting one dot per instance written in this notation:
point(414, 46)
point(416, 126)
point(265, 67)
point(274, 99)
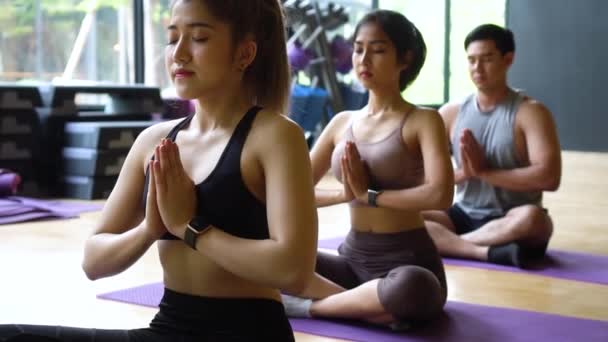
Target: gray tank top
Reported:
point(494, 131)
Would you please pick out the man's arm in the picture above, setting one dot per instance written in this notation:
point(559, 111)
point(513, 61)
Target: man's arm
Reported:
point(543, 173)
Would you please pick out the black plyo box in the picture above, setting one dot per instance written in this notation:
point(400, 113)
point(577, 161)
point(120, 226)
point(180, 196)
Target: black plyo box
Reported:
point(90, 162)
point(108, 135)
point(18, 121)
point(16, 147)
point(89, 188)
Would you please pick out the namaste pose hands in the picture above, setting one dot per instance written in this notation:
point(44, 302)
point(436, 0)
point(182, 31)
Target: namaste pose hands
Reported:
point(174, 190)
point(471, 155)
point(354, 174)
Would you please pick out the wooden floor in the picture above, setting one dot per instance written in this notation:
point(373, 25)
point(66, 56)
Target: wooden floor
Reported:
point(41, 281)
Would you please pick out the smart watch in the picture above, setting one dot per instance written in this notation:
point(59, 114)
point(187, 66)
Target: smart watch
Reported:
point(372, 197)
point(195, 228)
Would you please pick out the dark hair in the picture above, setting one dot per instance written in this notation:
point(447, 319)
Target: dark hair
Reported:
point(269, 73)
point(502, 37)
point(405, 37)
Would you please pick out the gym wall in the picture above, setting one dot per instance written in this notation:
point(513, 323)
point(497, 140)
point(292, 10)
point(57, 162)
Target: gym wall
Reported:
point(562, 59)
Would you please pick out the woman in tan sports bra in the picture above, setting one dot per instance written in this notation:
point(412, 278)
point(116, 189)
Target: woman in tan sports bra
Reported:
point(393, 160)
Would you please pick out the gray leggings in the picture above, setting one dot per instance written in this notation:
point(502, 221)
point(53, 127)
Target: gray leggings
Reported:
point(412, 283)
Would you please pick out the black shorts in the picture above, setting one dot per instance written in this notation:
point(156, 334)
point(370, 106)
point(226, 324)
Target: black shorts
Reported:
point(465, 223)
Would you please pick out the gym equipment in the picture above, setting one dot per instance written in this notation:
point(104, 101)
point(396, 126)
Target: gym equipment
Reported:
point(342, 51)
point(19, 130)
point(299, 57)
point(89, 171)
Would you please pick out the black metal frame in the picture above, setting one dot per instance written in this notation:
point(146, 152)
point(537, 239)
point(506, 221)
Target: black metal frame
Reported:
point(138, 30)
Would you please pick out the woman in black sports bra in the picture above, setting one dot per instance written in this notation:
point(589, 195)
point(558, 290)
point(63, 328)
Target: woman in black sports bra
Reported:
point(227, 192)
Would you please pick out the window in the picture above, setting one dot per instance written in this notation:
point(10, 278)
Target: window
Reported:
point(66, 40)
point(465, 15)
point(428, 16)
point(156, 19)
point(75, 40)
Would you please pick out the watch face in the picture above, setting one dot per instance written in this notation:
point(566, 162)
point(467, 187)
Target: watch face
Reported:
point(198, 223)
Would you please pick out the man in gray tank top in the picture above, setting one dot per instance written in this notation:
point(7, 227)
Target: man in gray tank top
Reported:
point(507, 153)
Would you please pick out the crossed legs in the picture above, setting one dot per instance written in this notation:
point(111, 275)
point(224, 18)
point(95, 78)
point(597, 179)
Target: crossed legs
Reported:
point(529, 226)
point(384, 287)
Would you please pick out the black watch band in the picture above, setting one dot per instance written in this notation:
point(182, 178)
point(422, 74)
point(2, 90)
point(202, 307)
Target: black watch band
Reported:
point(195, 228)
point(372, 197)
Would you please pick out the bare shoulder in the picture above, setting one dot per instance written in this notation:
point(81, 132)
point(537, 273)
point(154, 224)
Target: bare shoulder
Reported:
point(449, 110)
point(423, 117)
point(425, 112)
point(532, 110)
point(448, 113)
point(158, 131)
point(339, 121)
point(272, 125)
point(145, 142)
point(531, 105)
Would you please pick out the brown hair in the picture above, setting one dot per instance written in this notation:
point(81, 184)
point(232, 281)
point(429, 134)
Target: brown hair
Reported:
point(268, 75)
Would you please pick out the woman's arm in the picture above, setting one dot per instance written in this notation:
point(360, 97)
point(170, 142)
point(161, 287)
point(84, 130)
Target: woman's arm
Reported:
point(327, 197)
point(320, 158)
point(123, 234)
point(437, 190)
point(287, 259)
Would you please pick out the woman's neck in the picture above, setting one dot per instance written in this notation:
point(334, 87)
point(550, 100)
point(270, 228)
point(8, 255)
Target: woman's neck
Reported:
point(384, 102)
point(223, 109)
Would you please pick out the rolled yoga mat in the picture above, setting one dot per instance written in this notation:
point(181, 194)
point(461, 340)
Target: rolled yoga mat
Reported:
point(15, 209)
point(9, 182)
point(460, 322)
point(583, 267)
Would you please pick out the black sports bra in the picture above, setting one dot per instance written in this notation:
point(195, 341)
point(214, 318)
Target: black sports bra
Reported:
point(223, 199)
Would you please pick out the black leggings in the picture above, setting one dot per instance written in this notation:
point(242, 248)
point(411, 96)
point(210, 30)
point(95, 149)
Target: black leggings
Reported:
point(412, 283)
point(182, 318)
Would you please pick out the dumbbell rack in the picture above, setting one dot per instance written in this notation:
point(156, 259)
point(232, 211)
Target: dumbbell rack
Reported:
point(310, 22)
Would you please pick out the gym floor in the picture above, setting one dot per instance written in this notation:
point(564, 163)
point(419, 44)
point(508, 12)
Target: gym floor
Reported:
point(42, 282)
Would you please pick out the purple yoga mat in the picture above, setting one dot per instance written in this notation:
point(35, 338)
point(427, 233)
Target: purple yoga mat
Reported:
point(19, 209)
point(461, 322)
point(556, 264)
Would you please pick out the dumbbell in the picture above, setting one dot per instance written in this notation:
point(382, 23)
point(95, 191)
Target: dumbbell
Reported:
point(341, 52)
point(299, 57)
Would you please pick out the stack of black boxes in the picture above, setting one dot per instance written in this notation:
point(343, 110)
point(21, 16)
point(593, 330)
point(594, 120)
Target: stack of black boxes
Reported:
point(19, 135)
point(88, 145)
point(93, 154)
